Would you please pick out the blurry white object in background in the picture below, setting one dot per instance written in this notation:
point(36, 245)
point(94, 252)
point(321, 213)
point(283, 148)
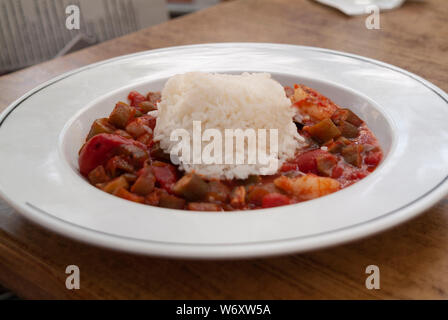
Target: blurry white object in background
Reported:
point(358, 7)
point(178, 7)
point(32, 31)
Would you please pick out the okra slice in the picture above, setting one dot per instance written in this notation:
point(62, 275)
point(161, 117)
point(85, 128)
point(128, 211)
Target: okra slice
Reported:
point(336, 146)
point(204, 206)
point(136, 155)
point(191, 187)
point(98, 175)
point(169, 201)
point(121, 115)
point(123, 133)
point(346, 115)
point(125, 194)
point(130, 177)
point(117, 165)
point(325, 165)
point(323, 131)
point(116, 184)
point(146, 106)
point(352, 154)
point(100, 126)
point(348, 130)
point(217, 191)
point(144, 184)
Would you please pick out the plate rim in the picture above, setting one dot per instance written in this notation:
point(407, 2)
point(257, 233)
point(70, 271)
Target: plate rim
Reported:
point(254, 249)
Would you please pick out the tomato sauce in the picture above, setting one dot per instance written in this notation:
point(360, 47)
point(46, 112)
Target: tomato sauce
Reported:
point(120, 157)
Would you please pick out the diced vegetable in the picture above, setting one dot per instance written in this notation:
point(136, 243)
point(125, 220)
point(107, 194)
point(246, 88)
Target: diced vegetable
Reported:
point(170, 201)
point(98, 150)
point(274, 200)
point(325, 164)
point(191, 187)
point(125, 194)
point(138, 113)
point(139, 126)
point(117, 165)
point(154, 197)
point(336, 146)
point(100, 126)
point(135, 98)
point(203, 206)
point(256, 195)
point(98, 175)
point(373, 158)
point(149, 120)
point(348, 130)
point(121, 115)
point(217, 191)
point(352, 154)
point(153, 97)
point(123, 134)
point(323, 131)
point(166, 174)
point(145, 182)
point(238, 197)
point(130, 177)
point(136, 153)
point(116, 184)
point(346, 115)
point(146, 106)
point(146, 139)
point(252, 179)
point(356, 175)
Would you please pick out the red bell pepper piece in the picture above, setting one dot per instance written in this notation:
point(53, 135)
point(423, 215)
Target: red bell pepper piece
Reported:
point(135, 98)
point(101, 148)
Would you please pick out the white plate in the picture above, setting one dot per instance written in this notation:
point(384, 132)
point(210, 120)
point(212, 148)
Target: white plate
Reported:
point(359, 7)
point(42, 131)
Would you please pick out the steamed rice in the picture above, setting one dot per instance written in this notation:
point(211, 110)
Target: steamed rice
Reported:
point(223, 101)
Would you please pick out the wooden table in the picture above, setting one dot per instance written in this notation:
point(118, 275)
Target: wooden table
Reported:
point(413, 258)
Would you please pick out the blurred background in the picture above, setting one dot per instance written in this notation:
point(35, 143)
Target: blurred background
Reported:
point(33, 31)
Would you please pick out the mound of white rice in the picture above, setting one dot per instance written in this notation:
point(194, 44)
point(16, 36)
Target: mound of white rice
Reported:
point(223, 101)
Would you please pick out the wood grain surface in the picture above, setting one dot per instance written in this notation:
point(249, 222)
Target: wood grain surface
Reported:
point(413, 258)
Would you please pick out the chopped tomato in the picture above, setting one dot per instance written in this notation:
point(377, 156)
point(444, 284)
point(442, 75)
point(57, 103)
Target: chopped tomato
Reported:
point(135, 98)
point(289, 166)
point(274, 200)
point(358, 175)
point(373, 158)
point(337, 172)
point(165, 174)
